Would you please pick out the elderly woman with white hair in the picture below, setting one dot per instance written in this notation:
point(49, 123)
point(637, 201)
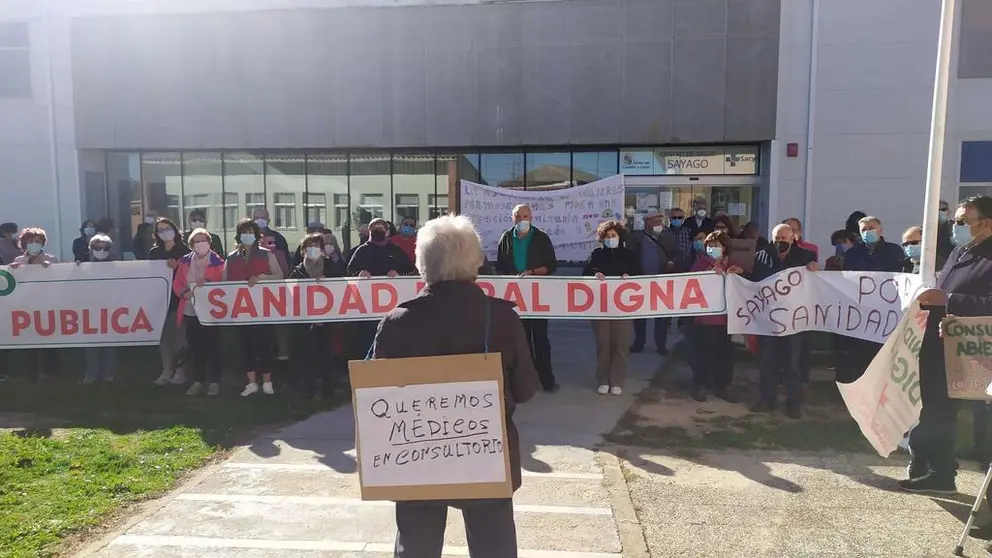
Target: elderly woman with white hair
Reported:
point(101, 362)
point(448, 255)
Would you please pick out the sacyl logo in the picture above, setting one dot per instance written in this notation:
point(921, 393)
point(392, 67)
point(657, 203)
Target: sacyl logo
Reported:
point(7, 282)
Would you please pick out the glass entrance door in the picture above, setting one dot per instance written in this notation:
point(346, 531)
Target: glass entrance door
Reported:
point(738, 203)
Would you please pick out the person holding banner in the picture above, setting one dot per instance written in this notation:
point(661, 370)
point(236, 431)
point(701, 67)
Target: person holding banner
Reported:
point(200, 266)
point(613, 259)
point(449, 252)
point(251, 263)
point(964, 288)
point(101, 362)
point(525, 250)
point(169, 246)
point(42, 362)
point(780, 356)
point(657, 253)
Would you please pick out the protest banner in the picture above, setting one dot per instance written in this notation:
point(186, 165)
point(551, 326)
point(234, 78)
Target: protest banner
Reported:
point(86, 305)
point(569, 216)
point(885, 401)
point(968, 357)
point(866, 305)
point(351, 299)
point(431, 428)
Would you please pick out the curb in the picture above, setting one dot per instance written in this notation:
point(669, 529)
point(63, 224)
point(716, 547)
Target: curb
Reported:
point(632, 540)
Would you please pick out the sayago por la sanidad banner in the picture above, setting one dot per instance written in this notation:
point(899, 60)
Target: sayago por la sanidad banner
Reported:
point(104, 304)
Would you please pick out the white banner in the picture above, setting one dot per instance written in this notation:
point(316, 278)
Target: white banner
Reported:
point(332, 300)
point(885, 401)
point(866, 305)
point(569, 216)
point(87, 305)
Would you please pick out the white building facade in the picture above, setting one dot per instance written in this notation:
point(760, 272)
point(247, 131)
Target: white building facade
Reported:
point(340, 111)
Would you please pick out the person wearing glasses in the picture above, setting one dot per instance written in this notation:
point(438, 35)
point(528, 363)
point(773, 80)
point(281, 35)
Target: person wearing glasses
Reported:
point(912, 246)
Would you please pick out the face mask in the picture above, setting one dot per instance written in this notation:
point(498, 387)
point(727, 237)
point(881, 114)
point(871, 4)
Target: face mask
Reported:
point(89, 231)
point(201, 248)
point(657, 229)
point(262, 223)
point(314, 253)
point(34, 248)
point(701, 213)
point(715, 252)
point(698, 245)
point(522, 227)
point(100, 255)
point(247, 239)
point(961, 234)
point(407, 230)
point(783, 246)
point(197, 225)
point(677, 222)
point(377, 235)
point(870, 237)
point(168, 235)
point(841, 248)
point(611, 242)
point(913, 251)
point(150, 220)
point(942, 216)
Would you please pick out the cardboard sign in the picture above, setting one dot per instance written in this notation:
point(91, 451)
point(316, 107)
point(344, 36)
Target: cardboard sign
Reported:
point(431, 428)
point(968, 357)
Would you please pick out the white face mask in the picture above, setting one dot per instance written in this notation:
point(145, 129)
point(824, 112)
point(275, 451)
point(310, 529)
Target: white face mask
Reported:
point(201, 248)
point(168, 235)
point(197, 225)
point(100, 255)
point(701, 213)
point(658, 228)
point(314, 253)
point(262, 223)
point(34, 248)
point(150, 219)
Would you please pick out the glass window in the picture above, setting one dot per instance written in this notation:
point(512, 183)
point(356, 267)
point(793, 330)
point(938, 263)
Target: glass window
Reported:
point(124, 197)
point(244, 176)
point(504, 170)
point(15, 60)
point(203, 187)
point(371, 188)
point(231, 213)
point(413, 182)
point(327, 175)
point(975, 42)
point(162, 179)
point(439, 205)
point(976, 161)
point(316, 208)
point(548, 171)
point(285, 184)
point(590, 166)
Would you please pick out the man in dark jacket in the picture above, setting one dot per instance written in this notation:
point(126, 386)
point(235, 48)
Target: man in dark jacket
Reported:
point(964, 288)
point(657, 252)
point(780, 355)
point(413, 329)
point(944, 244)
point(526, 250)
point(699, 221)
point(198, 220)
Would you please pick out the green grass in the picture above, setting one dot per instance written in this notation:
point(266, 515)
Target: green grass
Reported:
point(72, 454)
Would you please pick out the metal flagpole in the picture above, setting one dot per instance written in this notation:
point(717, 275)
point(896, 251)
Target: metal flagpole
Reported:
point(928, 261)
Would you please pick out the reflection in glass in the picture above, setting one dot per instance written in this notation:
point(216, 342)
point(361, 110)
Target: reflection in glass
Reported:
point(286, 184)
point(327, 182)
point(504, 170)
point(547, 171)
point(371, 189)
point(244, 179)
point(124, 196)
point(590, 166)
point(413, 184)
point(203, 189)
point(451, 169)
point(161, 174)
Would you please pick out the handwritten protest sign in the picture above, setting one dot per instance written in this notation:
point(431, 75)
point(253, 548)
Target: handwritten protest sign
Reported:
point(865, 305)
point(431, 428)
point(885, 401)
point(686, 294)
point(968, 357)
point(569, 216)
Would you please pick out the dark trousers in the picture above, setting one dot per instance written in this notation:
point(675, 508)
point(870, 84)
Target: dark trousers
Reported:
point(805, 358)
point(41, 362)
point(932, 441)
point(540, 350)
point(660, 332)
point(857, 355)
point(204, 348)
point(319, 360)
point(489, 528)
point(980, 414)
point(713, 357)
point(257, 344)
point(779, 358)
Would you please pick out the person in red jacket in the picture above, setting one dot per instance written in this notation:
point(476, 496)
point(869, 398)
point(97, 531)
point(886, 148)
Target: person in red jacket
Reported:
point(200, 266)
point(407, 237)
point(712, 362)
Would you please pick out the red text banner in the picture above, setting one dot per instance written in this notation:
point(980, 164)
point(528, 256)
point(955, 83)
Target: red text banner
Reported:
point(330, 300)
point(86, 305)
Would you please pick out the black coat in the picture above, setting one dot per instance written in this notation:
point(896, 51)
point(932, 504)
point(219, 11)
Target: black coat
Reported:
point(767, 262)
point(887, 256)
point(379, 260)
point(708, 225)
point(612, 262)
point(81, 249)
point(331, 269)
point(540, 253)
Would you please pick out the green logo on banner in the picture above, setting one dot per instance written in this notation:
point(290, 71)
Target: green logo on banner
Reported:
point(7, 282)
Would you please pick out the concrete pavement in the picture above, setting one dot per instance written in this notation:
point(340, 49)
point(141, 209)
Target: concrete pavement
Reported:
point(295, 493)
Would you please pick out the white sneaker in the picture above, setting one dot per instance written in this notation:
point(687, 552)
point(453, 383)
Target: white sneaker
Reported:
point(250, 389)
point(195, 389)
point(213, 389)
point(616, 391)
point(163, 379)
point(267, 389)
point(603, 389)
point(179, 378)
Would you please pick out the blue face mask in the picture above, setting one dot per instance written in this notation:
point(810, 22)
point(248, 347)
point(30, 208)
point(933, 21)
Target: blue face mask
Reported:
point(247, 239)
point(407, 230)
point(942, 216)
point(841, 248)
point(961, 234)
point(677, 223)
point(715, 252)
point(89, 231)
point(698, 245)
point(913, 251)
point(611, 242)
point(870, 237)
point(522, 227)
